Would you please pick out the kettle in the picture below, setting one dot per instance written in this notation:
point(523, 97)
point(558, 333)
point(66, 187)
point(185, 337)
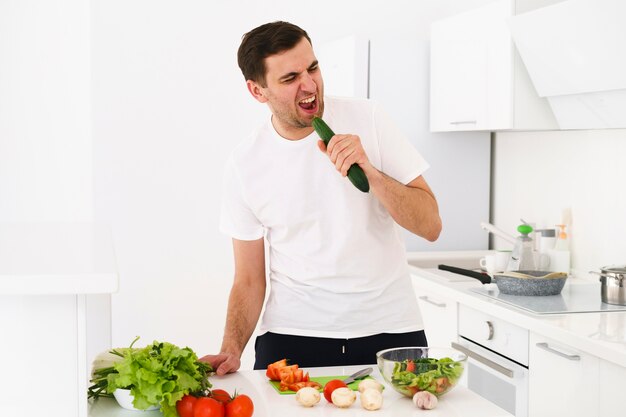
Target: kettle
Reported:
point(522, 258)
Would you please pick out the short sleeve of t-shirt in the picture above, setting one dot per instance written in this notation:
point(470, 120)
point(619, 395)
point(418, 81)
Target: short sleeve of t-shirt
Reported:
point(236, 218)
point(399, 158)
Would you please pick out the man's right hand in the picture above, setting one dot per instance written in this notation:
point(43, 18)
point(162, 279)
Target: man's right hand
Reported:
point(222, 363)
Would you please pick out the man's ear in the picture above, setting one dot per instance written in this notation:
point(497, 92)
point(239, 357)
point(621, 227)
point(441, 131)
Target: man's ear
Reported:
point(256, 90)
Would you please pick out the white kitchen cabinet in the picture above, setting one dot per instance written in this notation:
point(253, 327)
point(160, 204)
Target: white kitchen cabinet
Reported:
point(562, 381)
point(55, 314)
point(611, 386)
point(477, 79)
point(440, 315)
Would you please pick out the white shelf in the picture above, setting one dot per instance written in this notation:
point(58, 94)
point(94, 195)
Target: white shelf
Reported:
point(56, 258)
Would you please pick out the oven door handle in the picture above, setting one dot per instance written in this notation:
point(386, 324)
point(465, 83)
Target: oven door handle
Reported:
point(487, 362)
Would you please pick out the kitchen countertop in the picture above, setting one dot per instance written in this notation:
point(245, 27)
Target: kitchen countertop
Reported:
point(460, 402)
point(599, 334)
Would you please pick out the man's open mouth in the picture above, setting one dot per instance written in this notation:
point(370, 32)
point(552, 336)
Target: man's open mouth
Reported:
point(309, 103)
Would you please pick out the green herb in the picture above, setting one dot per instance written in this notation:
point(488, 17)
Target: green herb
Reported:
point(433, 375)
point(159, 374)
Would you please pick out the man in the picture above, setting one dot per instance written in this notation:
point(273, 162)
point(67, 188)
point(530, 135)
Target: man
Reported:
point(340, 288)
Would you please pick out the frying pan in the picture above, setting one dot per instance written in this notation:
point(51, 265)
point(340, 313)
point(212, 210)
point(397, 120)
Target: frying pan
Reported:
point(525, 283)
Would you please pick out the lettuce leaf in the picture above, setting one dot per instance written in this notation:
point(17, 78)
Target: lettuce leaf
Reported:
point(159, 374)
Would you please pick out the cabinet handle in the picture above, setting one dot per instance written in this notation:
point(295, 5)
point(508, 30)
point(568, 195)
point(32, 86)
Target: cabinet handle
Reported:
point(487, 362)
point(463, 122)
point(428, 300)
point(547, 347)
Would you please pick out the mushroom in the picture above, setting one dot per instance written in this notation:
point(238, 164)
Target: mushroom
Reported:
point(371, 399)
point(370, 383)
point(308, 396)
point(425, 400)
point(343, 397)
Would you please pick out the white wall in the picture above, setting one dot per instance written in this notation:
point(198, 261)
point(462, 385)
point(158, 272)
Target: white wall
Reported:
point(538, 174)
point(45, 112)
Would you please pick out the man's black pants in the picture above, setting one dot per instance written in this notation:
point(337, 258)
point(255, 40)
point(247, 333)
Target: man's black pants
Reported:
point(320, 351)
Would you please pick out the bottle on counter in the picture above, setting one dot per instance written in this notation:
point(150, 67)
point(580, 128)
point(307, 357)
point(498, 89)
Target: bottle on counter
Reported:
point(560, 255)
point(522, 257)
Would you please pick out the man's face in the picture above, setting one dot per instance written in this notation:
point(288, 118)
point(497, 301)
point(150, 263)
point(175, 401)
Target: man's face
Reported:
point(294, 90)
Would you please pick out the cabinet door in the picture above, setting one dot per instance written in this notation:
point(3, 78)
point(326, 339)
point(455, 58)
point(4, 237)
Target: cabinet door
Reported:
point(471, 70)
point(612, 379)
point(458, 69)
point(562, 381)
point(439, 315)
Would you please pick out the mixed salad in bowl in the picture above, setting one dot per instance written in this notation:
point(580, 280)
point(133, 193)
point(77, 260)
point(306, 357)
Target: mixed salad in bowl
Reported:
point(413, 369)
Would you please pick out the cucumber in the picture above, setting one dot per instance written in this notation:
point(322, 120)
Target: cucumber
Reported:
point(355, 173)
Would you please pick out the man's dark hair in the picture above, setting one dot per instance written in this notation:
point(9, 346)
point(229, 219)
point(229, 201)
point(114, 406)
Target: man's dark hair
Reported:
point(263, 41)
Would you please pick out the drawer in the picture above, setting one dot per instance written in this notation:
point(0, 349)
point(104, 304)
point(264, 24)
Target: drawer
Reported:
point(495, 334)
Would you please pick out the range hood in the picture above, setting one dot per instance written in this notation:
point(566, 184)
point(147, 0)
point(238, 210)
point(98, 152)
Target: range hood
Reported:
point(574, 54)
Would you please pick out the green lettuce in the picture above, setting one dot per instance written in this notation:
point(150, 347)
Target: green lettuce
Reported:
point(158, 375)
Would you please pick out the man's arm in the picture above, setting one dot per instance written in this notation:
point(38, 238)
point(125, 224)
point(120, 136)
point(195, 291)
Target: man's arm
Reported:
point(244, 304)
point(412, 206)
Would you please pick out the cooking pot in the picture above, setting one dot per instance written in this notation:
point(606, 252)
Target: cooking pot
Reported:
point(613, 279)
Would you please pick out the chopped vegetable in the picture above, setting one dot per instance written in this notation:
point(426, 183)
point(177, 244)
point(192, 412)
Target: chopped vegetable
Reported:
point(291, 377)
point(427, 374)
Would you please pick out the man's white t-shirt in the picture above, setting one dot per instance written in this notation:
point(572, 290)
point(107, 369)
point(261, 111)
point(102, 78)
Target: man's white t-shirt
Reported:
point(337, 259)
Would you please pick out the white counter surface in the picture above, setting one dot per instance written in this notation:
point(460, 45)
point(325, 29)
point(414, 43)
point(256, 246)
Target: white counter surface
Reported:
point(599, 334)
point(460, 402)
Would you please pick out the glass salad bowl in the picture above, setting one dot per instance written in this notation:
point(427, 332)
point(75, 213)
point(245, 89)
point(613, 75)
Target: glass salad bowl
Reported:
point(412, 369)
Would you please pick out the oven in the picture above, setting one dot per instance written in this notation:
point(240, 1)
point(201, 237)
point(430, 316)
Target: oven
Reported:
point(497, 366)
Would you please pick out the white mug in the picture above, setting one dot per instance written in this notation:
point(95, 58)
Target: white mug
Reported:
point(488, 263)
point(542, 261)
point(502, 260)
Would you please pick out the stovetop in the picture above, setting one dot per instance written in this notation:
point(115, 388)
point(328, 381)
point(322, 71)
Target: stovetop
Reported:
point(577, 298)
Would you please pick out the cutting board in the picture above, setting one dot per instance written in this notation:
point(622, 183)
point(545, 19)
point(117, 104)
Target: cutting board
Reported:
point(322, 380)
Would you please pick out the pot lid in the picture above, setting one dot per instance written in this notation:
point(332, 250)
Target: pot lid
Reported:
point(615, 269)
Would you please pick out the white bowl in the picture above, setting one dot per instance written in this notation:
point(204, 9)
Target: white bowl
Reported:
point(125, 400)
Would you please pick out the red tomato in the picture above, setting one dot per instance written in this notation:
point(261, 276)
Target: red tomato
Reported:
point(240, 406)
point(410, 366)
point(332, 385)
point(208, 407)
point(298, 385)
point(220, 395)
point(272, 369)
point(185, 406)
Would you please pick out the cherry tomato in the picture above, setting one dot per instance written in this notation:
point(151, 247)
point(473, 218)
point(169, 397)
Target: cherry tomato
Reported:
point(330, 386)
point(220, 395)
point(240, 406)
point(185, 406)
point(208, 407)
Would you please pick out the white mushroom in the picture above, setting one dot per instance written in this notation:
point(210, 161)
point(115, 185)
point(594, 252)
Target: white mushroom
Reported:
point(425, 400)
point(308, 396)
point(343, 397)
point(371, 399)
point(370, 383)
